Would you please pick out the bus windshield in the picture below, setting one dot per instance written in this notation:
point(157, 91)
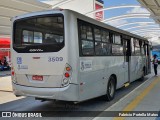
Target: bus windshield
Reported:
point(39, 34)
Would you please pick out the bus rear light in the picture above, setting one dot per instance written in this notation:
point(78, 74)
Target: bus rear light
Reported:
point(67, 75)
point(65, 81)
point(13, 76)
point(68, 68)
point(12, 73)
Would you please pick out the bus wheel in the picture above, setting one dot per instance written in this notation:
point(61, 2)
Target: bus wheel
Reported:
point(143, 74)
point(111, 89)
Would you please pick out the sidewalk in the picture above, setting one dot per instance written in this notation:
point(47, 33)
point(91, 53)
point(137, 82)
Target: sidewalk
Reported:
point(5, 81)
point(145, 97)
point(6, 84)
point(6, 92)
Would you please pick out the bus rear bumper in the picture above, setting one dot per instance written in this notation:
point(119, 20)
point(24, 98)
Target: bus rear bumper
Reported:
point(68, 93)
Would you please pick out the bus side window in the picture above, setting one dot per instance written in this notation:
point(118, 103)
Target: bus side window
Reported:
point(86, 39)
point(117, 49)
point(117, 46)
point(133, 46)
point(87, 47)
point(102, 45)
point(97, 34)
point(145, 49)
point(117, 39)
point(105, 36)
point(142, 48)
point(89, 33)
point(137, 47)
point(83, 32)
point(106, 45)
point(102, 48)
point(98, 43)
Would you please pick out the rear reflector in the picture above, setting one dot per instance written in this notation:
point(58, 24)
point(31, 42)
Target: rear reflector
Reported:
point(68, 68)
point(67, 75)
point(12, 73)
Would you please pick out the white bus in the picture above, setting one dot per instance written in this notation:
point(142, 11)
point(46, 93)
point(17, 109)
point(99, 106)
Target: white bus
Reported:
point(64, 55)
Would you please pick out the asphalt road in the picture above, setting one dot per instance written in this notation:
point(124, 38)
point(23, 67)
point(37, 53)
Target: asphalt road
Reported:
point(30, 104)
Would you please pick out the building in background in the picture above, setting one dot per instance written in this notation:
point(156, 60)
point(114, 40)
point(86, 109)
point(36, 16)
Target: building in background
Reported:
point(77, 5)
point(99, 4)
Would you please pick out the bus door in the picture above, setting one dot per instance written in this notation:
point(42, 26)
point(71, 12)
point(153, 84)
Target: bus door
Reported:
point(126, 45)
point(148, 56)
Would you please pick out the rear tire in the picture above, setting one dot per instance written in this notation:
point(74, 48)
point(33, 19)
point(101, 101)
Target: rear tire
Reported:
point(143, 74)
point(111, 89)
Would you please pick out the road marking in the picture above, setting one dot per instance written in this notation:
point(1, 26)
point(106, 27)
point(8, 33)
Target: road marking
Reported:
point(138, 99)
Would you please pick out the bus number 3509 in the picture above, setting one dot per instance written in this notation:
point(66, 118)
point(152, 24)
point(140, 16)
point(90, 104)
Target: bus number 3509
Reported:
point(55, 59)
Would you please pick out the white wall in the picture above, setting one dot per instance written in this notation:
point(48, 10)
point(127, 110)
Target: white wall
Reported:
point(81, 6)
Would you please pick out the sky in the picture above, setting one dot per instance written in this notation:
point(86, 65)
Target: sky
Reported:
point(109, 3)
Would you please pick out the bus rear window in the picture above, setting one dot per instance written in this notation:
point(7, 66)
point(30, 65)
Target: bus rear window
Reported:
point(51, 38)
point(39, 32)
point(31, 37)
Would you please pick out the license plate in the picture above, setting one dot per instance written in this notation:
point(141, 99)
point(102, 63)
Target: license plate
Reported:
point(37, 77)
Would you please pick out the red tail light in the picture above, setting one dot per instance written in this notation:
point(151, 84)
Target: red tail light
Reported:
point(67, 75)
point(12, 73)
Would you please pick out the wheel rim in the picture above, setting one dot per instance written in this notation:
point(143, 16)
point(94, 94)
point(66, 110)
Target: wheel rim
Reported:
point(111, 88)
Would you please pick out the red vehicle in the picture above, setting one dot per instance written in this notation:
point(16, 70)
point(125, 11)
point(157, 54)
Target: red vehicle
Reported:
point(5, 49)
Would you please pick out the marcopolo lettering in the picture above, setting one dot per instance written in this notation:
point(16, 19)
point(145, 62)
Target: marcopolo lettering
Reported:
point(36, 50)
